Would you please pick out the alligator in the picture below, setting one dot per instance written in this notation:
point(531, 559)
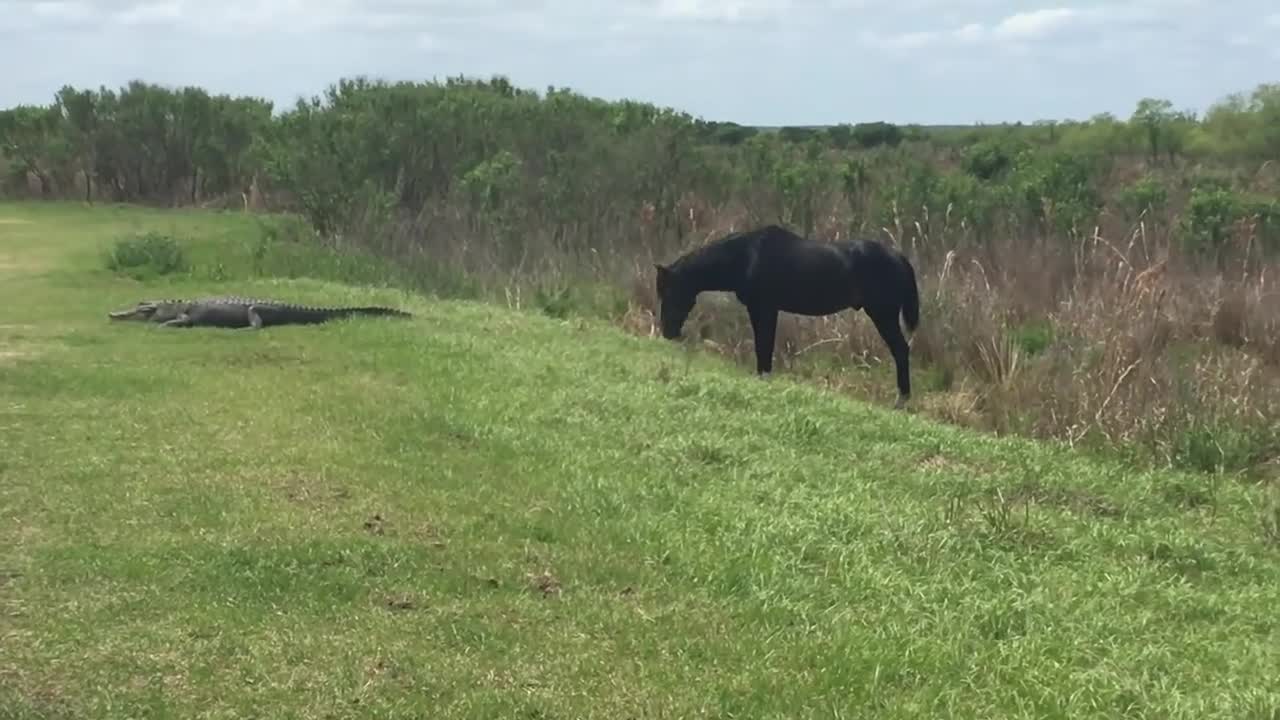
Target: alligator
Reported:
point(239, 312)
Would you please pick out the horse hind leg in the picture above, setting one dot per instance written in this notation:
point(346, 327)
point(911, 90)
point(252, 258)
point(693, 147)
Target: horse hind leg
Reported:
point(886, 322)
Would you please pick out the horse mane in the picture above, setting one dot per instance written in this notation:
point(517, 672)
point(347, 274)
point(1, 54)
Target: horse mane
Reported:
point(709, 250)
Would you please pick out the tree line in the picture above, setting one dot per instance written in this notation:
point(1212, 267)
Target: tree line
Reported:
point(497, 157)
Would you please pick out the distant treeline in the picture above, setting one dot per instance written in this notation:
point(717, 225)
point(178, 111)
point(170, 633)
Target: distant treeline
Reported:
point(506, 156)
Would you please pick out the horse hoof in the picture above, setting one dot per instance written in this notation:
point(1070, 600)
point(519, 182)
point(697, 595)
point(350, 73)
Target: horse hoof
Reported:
point(902, 402)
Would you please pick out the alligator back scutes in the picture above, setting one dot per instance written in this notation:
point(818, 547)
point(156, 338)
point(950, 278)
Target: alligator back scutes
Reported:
point(261, 302)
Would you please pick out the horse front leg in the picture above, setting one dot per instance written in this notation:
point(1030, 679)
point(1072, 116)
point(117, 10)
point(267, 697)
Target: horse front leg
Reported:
point(764, 326)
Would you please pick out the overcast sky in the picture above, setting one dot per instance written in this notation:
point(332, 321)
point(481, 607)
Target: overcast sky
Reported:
point(762, 62)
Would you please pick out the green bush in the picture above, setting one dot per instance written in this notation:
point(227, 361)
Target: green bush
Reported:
point(969, 202)
point(147, 255)
point(1207, 220)
point(904, 198)
point(986, 160)
point(1143, 196)
point(1265, 212)
point(874, 134)
point(1056, 189)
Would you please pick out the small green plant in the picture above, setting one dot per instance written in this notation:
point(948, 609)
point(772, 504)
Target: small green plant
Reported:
point(146, 255)
point(855, 177)
point(1034, 337)
point(557, 302)
point(1217, 446)
point(1271, 519)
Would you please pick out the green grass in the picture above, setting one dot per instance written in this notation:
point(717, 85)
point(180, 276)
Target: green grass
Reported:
point(476, 513)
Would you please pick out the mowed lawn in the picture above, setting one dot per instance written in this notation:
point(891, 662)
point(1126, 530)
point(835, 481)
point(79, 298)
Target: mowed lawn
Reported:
point(481, 513)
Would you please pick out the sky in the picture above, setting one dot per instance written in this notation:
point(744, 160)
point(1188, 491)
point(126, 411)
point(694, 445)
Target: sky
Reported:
point(758, 62)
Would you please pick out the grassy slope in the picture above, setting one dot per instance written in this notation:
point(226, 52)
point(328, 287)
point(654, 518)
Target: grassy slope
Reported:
point(481, 514)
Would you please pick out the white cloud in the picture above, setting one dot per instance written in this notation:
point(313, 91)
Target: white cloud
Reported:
point(151, 13)
point(719, 10)
point(904, 41)
point(971, 32)
point(1035, 24)
point(20, 17)
point(72, 10)
point(1017, 27)
point(916, 39)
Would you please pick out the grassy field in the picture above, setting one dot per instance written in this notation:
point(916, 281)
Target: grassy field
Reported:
point(476, 513)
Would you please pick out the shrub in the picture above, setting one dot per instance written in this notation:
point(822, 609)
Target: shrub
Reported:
point(1265, 214)
point(986, 160)
point(1145, 195)
point(1034, 337)
point(1056, 188)
point(146, 255)
point(1206, 223)
point(968, 203)
point(873, 134)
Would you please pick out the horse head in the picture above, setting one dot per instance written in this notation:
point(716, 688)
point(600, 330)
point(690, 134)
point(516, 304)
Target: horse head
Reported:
point(675, 301)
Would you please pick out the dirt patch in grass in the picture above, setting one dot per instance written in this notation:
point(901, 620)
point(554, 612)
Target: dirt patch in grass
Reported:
point(1075, 500)
point(9, 266)
point(311, 492)
point(937, 463)
point(8, 355)
point(401, 603)
point(544, 582)
point(429, 533)
point(376, 525)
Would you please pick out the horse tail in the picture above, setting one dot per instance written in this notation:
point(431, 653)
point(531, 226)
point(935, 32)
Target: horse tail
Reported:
point(910, 303)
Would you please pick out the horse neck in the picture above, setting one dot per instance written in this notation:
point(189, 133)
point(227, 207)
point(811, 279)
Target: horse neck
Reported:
point(715, 267)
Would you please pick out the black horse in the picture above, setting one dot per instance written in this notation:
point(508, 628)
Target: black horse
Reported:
point(771, 269)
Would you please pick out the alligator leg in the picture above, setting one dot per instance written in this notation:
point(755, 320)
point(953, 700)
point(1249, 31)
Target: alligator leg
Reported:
point(183, 320)
point(255, 320)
